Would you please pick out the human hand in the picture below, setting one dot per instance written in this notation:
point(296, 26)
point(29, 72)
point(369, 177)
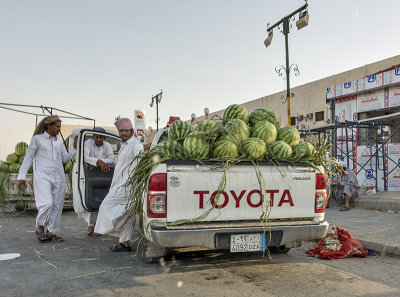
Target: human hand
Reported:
point(91, 167)
point(22, 184)
point(75, 143)
point(103, 165)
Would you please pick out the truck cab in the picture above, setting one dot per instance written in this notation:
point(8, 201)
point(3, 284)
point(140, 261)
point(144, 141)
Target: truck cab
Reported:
point(89, 187)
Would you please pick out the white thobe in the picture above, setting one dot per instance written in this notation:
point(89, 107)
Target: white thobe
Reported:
point(113, 218)
point(93, 153)
point(47, 154)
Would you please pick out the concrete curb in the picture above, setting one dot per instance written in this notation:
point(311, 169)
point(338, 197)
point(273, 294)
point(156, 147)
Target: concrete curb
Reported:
point(380, 248)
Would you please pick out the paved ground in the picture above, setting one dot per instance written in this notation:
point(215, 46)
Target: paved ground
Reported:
point(376, 230)
point(206, 273)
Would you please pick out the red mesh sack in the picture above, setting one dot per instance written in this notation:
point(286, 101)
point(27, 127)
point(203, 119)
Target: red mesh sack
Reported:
point(338, 244)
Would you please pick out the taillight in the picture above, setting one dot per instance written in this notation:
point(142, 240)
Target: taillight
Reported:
point(320, 193)
point(157, 196)
point(320, 182)
point(320, 202)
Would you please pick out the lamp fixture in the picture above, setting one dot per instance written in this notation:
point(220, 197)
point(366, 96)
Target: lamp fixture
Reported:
point(268, 41)
point(303, 19)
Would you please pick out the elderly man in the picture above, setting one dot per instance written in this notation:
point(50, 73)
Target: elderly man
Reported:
point(97, 153)
point(113, 218)
point(344, 186)
point(47, 153)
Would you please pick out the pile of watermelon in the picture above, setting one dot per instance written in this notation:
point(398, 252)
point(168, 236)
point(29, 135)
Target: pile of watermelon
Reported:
point(14, 160)
point(254, 136)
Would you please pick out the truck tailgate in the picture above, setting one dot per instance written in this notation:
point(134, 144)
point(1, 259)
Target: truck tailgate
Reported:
point(290, 192)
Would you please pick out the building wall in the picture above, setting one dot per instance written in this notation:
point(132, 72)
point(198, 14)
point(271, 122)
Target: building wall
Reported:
point(311, 97)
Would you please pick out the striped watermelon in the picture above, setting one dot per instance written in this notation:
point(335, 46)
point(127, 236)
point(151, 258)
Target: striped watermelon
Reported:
point(30, 170)
point(235, 111)
point(225, 148)
point(3, 167)
point(210, 128)
point(196, 146)
point(254, 148)
point(264, 130)
point(12, 158)
point(289, 134)
point(21, 159)
point(238, 129)
point(21, 148)
point(280, 150)
point(261, 114)
point(179, 130)
point(171, 148)
point(303, 150)
point(14, 168)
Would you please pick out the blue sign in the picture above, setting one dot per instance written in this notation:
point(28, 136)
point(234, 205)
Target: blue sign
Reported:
point(397, 71)
point(340, 158)
point(347, 85)
point(369, 174)
point(371, 78)
point(328, 90)
point(355, 116)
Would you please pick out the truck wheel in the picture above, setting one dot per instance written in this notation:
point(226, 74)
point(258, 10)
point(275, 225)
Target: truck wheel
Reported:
point(152, 253)
point(281, 249)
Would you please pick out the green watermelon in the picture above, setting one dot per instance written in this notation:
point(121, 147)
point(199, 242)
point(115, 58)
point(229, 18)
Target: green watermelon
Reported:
point(179, 130)
point(12, 158)
point(262, 114)
point(21, 159)
point(235, 111)
point(196, 146)
point(21, 148)
point(171, 148)
point(3, 167)
point(264, 130)
point(225, 147)
point(289, 134)
point(303, 150)
point(280, 150)
point(209, 127)
point(14, 168)
point(254, 148)
point(30, 170)
point(238, 129)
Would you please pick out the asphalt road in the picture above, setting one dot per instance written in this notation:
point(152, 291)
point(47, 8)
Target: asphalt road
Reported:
point(84, 266)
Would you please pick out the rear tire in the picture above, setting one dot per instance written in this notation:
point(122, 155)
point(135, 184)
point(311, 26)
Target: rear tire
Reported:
point(281, 249)
point(152, 253)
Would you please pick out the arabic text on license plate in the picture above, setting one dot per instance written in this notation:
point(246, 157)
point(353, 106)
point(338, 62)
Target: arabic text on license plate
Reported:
point(247, 242)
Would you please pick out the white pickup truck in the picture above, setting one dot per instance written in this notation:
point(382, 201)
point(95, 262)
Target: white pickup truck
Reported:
point(178, 212)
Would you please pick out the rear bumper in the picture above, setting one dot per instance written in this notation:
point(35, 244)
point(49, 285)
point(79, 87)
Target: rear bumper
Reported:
point(211, 237)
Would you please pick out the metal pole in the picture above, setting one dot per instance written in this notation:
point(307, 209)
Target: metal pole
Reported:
point(157, 110)
point(286, 32)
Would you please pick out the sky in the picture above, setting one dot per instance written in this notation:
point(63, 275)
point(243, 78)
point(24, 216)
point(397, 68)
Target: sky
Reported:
point(103, 59)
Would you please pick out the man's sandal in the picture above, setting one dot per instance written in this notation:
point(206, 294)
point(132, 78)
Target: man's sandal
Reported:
point(41, 236)
point(344, 208)
point(55, 238)
point(119, 247)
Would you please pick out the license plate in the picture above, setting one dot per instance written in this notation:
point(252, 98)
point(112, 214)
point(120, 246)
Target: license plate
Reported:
point(247, 242)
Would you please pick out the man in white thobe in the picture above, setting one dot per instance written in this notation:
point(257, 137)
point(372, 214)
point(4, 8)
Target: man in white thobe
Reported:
point(344, 186)
point(97, 153)
point(47, 153)
point(113, 218)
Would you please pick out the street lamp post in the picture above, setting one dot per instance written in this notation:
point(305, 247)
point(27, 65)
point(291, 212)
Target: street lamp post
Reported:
point(157, 99)
point(302, 22)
